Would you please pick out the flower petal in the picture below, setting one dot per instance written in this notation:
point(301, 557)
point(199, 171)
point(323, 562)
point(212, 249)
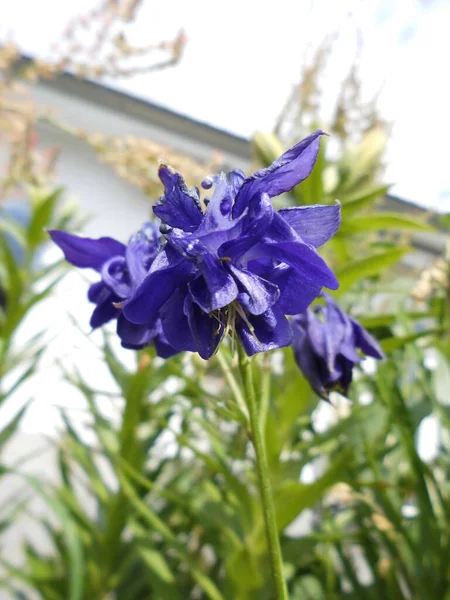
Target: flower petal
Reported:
point(237, 178)
point(115, 275)
point(366, 342)
point(87, 253)
point(216, 288)
point(207, 331)
point(96, 291)
point(141, 250)
point(175, 324)
point(344, 368)
point(314, 224)
point(271, 330)
point(339, 334)
point(285, 173)
point(254, 226)
point(164, 278)
point(134, 336)
point(219, 208)
point(105, 310)
point(309, 363)
point(179, 206)
point(297, 292)
point(162, 346)
point(304, 259)
point(255, 293)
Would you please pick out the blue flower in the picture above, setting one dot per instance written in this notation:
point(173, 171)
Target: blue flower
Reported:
point(239, 266)
point(325, 346)
point(122, 269)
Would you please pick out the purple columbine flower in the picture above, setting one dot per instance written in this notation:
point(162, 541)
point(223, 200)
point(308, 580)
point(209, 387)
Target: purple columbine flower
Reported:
point(122, 269)
point(325, 345)
point(239, 266)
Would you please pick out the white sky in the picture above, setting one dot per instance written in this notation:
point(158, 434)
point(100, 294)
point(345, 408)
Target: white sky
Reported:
point(243, 57)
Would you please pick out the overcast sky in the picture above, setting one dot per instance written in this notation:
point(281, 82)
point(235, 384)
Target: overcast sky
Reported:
point(242, 59)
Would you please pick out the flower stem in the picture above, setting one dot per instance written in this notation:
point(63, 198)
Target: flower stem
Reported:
point(264, 478)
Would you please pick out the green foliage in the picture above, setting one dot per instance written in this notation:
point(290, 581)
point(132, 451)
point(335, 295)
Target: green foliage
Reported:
point(24, 282)
point(371, 522)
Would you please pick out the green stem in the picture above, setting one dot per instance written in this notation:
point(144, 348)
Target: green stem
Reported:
point(264, 478)
point(231, 380)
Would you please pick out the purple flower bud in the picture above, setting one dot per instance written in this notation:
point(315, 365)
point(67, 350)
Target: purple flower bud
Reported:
point(325, 346)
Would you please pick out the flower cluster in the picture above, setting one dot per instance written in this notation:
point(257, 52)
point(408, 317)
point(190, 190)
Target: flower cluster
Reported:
point(325, 346)
point(237, 267)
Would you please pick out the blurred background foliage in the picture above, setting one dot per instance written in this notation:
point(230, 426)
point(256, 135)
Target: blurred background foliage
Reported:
point(163, 502)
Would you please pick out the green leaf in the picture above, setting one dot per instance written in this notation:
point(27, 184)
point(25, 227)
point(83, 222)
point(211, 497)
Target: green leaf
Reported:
point(72, 538)
point(293, 496)
point(367, 267)
point(308, 588)
point(10, 227)
point(386, 320)
point(14, 278)
point(394, 343)
point(11, 427)
point(354, 204)
point(377, 221)
point(41, 217)
point(160, 575)
point(157, 524)
point(291, 403)
point(266, 147)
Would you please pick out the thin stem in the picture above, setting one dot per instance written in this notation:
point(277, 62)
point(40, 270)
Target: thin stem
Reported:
point(264, 478)
point(231, 380)
point(265, 392)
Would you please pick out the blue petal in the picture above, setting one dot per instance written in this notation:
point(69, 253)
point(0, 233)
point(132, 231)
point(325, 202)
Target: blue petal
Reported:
point(219, 208)
point(87, 253)
point(339, 334)
point(314, 224)
point(206, 330)
point(96, 291)
point(164, 278)
point(175, 324)
point(216, 288)
point(255, 293)
point(280, 231)
point(304, 259)
point(284, 174)
point(270, 330)
point(134, 336)
point(309, 363)
point(237, 178)
point(254, 226)
point(315, 329)
point(345, 369)
point(297, 291)
point(179, 206)
point(105, 310)
point(365, 342)
point(162, 346)
point(115, 276)
point(141, 250)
